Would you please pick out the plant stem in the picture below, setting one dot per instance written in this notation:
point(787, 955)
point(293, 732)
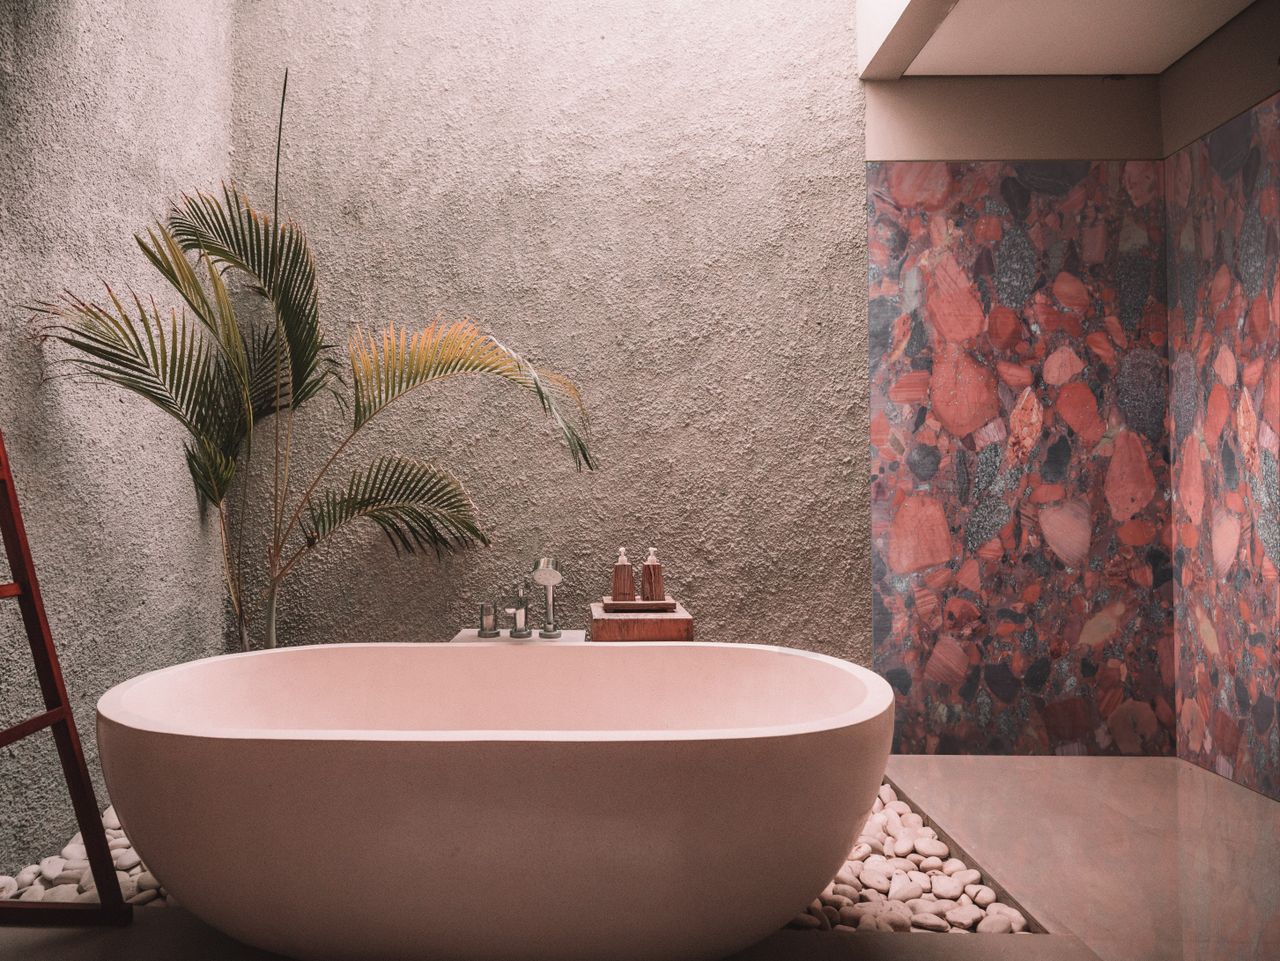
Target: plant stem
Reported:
point(270, 614)
point(275, 203)
point(229, 571)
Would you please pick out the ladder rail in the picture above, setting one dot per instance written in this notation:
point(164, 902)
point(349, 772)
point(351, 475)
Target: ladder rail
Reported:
point(59, 719)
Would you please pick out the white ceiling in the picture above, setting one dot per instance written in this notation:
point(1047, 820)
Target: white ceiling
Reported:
point(1068, 36)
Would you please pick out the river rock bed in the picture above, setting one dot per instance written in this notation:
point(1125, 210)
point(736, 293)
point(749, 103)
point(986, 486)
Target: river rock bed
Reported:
point(900, 877)
point(66, 876)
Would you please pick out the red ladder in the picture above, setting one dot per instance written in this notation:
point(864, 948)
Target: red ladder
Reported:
point(58, 718)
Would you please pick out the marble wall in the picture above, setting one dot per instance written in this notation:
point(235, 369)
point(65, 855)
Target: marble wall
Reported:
point(1061, 564)
point(1223, 197)
point(1020, 462)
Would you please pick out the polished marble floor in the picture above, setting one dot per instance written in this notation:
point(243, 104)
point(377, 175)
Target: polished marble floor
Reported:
point(1121, 859)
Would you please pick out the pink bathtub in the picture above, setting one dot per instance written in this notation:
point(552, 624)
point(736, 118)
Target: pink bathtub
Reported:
point(492, 801)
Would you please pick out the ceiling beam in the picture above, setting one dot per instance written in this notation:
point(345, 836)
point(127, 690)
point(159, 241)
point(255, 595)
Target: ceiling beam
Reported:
point(887, 49)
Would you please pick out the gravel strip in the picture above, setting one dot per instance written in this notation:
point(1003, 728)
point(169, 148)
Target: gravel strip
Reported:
point(67, 876)
point(900, 877)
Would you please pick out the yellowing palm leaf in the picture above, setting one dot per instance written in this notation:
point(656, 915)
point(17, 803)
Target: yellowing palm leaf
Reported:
point(386, 367)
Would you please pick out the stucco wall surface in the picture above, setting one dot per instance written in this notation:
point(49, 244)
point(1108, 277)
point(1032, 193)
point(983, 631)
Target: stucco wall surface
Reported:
point(662, 200)
point(106, 108)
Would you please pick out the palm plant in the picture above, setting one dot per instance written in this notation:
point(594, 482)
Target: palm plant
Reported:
point(223, 377)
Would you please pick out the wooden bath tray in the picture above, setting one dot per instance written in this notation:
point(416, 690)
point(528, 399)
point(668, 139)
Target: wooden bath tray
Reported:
point(674, 625)
point(622, 607)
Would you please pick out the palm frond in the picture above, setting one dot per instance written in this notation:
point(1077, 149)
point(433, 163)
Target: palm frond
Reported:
point(386, 368)
point(277, 258)
point(167, 362)
point(417, 506)
point(216, 312)
point(263, 359)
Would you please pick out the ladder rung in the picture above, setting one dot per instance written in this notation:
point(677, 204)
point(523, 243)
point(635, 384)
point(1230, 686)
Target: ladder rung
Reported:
point(50, 913)
point(10, 590)
point(31, 725)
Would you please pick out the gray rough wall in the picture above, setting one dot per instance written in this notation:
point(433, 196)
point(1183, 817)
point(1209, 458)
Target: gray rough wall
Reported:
point(106, 108)
point(664, 200)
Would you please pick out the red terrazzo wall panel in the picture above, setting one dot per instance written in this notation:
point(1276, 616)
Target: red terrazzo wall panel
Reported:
point(1020, 516)
point(1224, 234)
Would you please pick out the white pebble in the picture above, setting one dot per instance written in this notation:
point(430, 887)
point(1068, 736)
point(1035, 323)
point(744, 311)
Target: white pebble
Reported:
point(892, 823)
point(33, 893)
point(921, 906)
point(995, 924)
point(904, 844)
point(68, 892)
point(929, 922)
point(931, 847)
point(51, 867)
point(127, 860)
point(898, 807)
point(75, 851)
point(953, 865)
point(27, 875)
point(902, 888)
point(1013, 914)
point(945, 887)
point(964, 916)
point(930, 864)
point(968, 876)
point(874, 880)
point(109, 819)
point(119, 844)
point(8, 887)
point(887, 794)
point(981, 894)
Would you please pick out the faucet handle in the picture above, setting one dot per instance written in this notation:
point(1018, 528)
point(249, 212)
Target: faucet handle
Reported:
point(519, 611)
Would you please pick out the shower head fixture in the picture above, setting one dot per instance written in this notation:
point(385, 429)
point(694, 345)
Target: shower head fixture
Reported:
point(546, 571)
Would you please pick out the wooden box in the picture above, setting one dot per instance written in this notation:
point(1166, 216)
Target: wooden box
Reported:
point(641, 626)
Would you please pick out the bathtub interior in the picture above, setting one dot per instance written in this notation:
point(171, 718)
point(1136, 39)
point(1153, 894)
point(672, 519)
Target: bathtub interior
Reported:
point(587, 690)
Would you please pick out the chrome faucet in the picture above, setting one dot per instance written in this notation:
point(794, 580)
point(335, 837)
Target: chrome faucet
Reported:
point(519, 611)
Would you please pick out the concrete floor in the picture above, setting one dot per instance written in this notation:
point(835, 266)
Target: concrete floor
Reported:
point(1121, 859)
point(1143, 859)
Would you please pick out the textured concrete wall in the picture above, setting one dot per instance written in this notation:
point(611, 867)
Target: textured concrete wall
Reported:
point(662, 199)
point(106, 109)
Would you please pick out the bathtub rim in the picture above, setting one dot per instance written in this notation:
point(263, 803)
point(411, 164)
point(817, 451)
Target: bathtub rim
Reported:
point(878, 701)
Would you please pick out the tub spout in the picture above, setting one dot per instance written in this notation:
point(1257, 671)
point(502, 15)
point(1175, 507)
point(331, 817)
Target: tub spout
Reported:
point(519, 611)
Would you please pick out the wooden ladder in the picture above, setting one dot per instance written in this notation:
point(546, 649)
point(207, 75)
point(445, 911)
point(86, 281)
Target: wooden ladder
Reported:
point(58, 718)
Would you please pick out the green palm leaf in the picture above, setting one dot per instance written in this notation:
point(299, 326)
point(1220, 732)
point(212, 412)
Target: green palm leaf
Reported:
point(168, 363)
point(386, 368)
point(276, 256)
point(217, 314)
point(417, 506)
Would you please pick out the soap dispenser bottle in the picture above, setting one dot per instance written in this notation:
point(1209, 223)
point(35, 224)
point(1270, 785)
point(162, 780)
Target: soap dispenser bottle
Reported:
point(651, 579)
point(624, 578)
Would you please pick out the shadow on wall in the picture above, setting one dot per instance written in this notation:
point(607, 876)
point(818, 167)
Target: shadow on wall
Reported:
point(1224, 218)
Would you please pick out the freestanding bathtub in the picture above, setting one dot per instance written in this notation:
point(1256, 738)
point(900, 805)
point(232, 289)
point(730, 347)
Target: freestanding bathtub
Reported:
point(497, 801)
